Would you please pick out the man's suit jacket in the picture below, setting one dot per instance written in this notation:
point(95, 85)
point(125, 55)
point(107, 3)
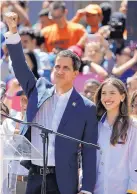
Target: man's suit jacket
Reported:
point(78, 121)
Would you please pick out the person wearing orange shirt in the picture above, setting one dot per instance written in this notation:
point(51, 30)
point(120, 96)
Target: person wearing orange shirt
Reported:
point(63, 33)
point(93, 15)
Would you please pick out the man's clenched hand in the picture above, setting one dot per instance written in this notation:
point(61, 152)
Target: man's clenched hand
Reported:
point(11, 19)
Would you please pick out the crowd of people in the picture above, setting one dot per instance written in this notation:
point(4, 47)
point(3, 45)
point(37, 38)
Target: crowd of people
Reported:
point(79, 78)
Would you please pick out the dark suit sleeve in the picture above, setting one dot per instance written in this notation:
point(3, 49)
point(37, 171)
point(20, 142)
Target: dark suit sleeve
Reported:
point(89, 153)
point(20, 67)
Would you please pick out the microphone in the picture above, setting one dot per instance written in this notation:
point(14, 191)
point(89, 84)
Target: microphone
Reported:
point(44, 130)
point(2, 89)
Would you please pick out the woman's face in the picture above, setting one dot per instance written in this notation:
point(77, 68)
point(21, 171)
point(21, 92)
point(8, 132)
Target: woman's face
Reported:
point(111, 97)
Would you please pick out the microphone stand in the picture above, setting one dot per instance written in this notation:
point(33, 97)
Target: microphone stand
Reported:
point(44, 136)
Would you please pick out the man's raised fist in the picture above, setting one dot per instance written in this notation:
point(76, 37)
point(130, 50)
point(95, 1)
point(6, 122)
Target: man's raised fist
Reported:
point(11, 19)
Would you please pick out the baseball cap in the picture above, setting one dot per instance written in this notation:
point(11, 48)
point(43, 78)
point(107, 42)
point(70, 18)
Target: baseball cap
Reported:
point(93, 9)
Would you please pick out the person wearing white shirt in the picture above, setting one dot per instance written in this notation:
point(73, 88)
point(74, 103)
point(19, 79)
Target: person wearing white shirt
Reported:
point(117, 158)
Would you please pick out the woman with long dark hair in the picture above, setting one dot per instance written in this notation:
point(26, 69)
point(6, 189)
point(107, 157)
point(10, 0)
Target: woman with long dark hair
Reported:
point(117, 138)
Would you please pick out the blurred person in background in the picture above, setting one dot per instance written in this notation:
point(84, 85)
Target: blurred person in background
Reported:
point(93, 57)
point(123, 7)
point(46, 4)
point(44, 19)
point(106, 12)
point(13, 86)
point(27, 38)
point(116, 159)
point(44, 60)
point(131, 84)
point(93, 16)
point(33, 41)
point(5, 64)
point(63, 33)
point(133, 104)
point(19, 7)
point(11, 127)
point(126, 64)
point(11, 100)
point(97, 51)
point(117, 31)
point(90, 88)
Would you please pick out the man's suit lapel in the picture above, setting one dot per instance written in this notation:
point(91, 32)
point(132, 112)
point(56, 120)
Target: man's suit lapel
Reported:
point(69, 110)
point(47, 94)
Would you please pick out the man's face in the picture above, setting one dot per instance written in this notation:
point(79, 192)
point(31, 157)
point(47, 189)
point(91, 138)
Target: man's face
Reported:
point(57, 14)
point(92, 19)
point(89, 90)
point(45, 21)
point(63, 73)
point(27, 42)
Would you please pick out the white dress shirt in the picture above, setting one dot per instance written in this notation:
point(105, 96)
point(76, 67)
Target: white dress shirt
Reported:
point(116, 164)
point(49, 115)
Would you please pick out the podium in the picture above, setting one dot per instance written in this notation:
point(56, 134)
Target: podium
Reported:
point(14, 148)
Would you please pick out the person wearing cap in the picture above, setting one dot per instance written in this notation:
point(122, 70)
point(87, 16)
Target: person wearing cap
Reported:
point(63, 33)
point(11, 127)
point(93, 14)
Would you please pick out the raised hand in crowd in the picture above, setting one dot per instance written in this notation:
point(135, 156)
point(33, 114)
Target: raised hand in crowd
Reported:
point(11, 19)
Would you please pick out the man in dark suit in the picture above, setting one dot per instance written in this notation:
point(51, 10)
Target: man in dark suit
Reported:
point(61, 109)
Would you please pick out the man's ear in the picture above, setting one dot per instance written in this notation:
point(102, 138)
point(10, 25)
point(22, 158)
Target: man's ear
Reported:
point(76, 73)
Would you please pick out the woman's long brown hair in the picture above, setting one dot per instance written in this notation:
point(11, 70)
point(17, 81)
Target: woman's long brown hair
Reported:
point(121, 124)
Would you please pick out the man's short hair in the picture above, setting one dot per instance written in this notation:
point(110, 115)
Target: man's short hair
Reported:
point(75, 59)
point(27, 31)
point(39, 38)
point(92, 81)
point(58, 5)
